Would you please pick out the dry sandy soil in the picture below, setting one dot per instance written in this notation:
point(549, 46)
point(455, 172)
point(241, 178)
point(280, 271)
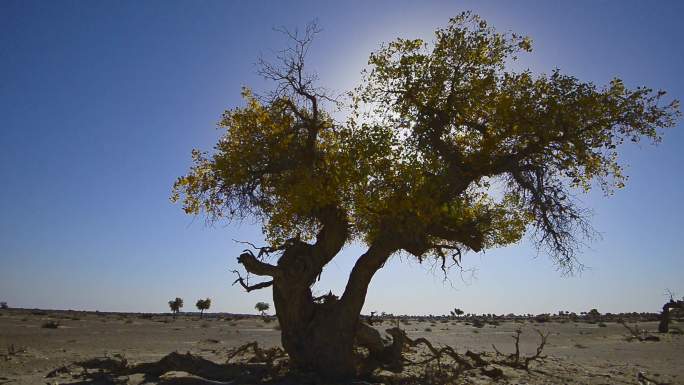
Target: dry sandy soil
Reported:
point(577, 353)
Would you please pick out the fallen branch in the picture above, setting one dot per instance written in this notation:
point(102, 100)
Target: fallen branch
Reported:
point(638, 334)
point(259, 355)
point(438, 354)
point(514, 360)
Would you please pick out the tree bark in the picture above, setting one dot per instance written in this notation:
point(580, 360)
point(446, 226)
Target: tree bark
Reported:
point(318, 337)
point(318, 333)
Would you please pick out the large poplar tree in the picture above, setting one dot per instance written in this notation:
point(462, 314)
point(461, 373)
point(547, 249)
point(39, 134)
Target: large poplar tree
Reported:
point(445, 151)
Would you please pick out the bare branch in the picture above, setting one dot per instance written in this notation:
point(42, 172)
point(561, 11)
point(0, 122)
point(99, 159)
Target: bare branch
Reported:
point(456, 256)
point(266, 356)
point(540, 349)
point(559, 222)
point(244, 282)
point(670, 293)
point(264, 251)
point(293, 84)
point(514, 360)
point(437, 353)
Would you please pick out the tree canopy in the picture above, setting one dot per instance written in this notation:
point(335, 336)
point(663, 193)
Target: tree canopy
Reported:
point(444, 149)
point(176, 304)
point(203, 304)
point(262, 307)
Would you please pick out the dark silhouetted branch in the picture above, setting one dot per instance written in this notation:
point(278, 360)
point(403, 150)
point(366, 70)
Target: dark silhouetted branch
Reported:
point(244, 282)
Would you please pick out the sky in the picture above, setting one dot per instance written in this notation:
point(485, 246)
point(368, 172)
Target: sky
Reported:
point(102, 102)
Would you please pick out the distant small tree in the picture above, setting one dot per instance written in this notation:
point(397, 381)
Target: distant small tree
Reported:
point(456, 312)
point(370, 318)
point(3, 305)
point(202, 305)
point(176, 305)
point(262, 307)
point(670, 293)
point(593, 313)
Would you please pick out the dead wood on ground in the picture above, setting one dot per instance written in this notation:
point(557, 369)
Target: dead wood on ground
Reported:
point(418, 360)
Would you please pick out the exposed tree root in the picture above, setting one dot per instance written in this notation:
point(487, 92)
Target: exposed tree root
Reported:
point(274, 359)
point(187, 363)
point(436, 354)
point(440, 364)
point(418, 360)
point(201, 371)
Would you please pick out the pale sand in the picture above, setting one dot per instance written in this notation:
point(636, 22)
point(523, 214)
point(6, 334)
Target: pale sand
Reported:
point(578, 353)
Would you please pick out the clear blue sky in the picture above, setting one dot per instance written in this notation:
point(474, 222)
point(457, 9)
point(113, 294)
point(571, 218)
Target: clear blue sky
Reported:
point(101, 103)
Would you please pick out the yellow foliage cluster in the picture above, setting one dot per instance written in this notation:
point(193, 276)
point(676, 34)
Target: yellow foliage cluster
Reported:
point(443, 143)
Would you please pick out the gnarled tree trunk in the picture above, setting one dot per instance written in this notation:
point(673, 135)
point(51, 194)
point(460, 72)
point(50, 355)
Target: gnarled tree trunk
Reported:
point(318, 333)
point(318, 336)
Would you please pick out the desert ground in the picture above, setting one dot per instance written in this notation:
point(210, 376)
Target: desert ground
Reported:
point(575, 352)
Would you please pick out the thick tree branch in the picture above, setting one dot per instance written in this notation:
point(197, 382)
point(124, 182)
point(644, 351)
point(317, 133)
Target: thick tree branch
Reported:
point(253, 265)
point(294, 85)
point(365, 267)
point(308, 260)
point(333, 234)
